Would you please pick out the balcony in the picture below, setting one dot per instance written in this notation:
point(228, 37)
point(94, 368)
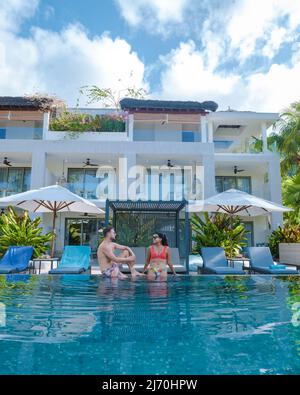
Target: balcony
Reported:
point(88, 125)
point(21, 130)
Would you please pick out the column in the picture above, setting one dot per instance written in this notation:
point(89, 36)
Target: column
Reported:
point(126, 175)
point(275, 189)
point(209, 176)
point(46, 121)
point(203, 129)
point(210, 132)
point(264, 136)
point(130, 124)
point(38, 169)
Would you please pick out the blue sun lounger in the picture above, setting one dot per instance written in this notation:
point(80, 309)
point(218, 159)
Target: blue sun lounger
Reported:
point(215, 262)
point(75, 260)
point(261, 261)
point(16, 259)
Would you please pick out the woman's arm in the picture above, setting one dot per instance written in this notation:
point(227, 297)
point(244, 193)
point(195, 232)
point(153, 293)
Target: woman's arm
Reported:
point(169, 261)
point(147, 260)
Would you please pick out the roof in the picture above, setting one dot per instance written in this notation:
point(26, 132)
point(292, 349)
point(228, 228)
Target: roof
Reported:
point(28, 103)
point(166, 105)
point(139, 205)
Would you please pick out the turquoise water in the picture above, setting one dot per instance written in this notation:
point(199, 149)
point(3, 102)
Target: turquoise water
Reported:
point(190, 325)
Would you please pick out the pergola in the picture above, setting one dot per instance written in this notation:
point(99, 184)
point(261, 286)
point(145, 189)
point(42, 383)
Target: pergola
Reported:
point(154, 207)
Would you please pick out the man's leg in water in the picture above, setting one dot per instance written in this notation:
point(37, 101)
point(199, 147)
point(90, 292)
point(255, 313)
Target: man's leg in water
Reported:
point(133, 271)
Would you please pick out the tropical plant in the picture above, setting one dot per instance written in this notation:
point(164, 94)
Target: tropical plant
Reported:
point(288, 139)
point(218, 230)
point(20, 230)
point(80, 122)
point(286, 234)
point(109, 97)
point(291, 198)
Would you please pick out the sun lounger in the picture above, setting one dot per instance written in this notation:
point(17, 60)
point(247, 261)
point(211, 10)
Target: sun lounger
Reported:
point(75, 260)
point(261, 261)
point(16, 259)
point(215, 262)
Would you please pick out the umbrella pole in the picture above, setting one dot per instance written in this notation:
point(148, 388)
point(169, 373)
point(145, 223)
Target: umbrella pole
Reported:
point(53, 230)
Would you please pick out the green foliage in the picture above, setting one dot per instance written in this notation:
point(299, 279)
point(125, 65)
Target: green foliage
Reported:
point(291, 198)
point(219, 230)
point(79, 122)
point(133, 231)
point(287, 234)
point(109, 97)
point(20, 230)
point(288, 139)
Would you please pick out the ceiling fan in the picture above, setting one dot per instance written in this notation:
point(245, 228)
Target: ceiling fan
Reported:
point(6, 162)
point(236, 170)
point(88, 163)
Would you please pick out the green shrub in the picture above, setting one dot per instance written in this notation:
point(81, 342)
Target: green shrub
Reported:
point(79, 122)
point(286, 234)
point(20, 230)
point(219, 230)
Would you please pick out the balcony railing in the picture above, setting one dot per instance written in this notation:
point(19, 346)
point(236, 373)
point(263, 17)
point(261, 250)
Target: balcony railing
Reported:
point(20, 132)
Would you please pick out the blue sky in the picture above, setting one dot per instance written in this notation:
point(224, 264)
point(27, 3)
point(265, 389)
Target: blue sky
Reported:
point(241, 53)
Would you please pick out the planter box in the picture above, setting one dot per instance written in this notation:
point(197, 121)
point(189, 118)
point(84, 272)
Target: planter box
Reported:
point(86, 136)
point(289, 253)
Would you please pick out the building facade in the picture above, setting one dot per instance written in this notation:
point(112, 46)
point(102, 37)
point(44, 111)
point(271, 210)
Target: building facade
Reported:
point(166, 150)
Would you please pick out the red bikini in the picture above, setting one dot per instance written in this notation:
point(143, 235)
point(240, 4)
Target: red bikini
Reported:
point(155, 255)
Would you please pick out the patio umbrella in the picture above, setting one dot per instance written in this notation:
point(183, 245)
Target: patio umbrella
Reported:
point(55, 199)
point(235, 202)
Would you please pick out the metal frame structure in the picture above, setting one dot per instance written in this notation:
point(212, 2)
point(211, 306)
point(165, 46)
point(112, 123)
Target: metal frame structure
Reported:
point(173, 206)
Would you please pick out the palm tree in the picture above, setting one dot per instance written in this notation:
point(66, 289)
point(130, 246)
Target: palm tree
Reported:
point(291, 197)
point(288, 139)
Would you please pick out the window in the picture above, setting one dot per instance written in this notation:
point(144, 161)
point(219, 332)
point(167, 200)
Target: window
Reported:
point(84, 182)
point(2, 134)
point(14, 180)
point(188, 137)
point(228, 182)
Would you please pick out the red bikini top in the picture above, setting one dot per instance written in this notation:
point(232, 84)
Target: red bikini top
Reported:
point(155, 255)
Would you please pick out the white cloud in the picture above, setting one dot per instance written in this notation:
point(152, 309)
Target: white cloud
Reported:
point(13, 12)
point(61, 62)
point(250, 23)
point(187, 77)
point(155, 14)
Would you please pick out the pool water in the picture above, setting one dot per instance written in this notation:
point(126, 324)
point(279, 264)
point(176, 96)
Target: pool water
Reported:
point(189, 325)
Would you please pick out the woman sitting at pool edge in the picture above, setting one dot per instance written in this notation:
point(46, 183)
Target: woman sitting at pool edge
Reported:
point(158, 258)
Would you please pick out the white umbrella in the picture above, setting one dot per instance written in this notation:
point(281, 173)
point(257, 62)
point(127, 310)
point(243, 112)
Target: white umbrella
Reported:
point(54, 198)
point(235, 202)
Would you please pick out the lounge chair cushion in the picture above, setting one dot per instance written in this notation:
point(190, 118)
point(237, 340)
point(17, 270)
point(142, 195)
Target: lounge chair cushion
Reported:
point(222, 270)
point(68, 270)
point(7, 269)
point(264, 270)
point(277, 267)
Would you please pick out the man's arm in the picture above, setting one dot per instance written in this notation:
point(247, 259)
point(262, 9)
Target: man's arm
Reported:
point(108, 252)
point(122, 248)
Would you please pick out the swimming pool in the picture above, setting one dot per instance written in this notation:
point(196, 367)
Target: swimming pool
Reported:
point(189, 325)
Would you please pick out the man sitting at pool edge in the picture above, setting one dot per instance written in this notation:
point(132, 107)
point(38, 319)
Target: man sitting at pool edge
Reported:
point(109, 262)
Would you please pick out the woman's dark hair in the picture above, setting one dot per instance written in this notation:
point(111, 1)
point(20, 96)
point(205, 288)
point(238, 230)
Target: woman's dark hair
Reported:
point(163, 237)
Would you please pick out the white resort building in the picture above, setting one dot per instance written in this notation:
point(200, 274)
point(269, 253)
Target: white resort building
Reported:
point(174, 151)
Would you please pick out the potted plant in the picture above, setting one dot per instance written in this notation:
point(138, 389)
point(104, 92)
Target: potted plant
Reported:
point(284, 243)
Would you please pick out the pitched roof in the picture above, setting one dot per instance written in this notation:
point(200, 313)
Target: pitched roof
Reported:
point(167, 105)
point(27, 103)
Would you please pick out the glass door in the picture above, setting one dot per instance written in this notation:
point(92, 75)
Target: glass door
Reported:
point(82, 231)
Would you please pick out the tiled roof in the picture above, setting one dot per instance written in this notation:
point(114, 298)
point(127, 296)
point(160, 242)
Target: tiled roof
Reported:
point(167, 105)
point(26, 103)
